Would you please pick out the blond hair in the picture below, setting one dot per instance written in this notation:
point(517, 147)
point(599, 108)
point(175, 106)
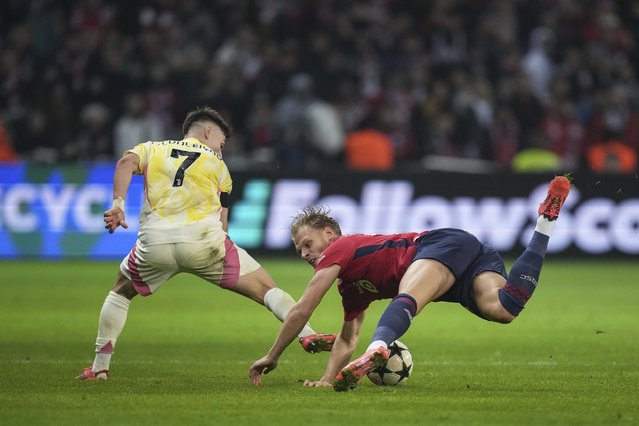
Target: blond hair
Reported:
point(316, 217)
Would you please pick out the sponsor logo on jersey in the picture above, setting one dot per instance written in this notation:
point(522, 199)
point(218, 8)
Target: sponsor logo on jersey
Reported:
point(365, 285)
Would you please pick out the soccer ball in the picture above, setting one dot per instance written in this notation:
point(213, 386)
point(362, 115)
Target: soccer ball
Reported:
point(398, 368)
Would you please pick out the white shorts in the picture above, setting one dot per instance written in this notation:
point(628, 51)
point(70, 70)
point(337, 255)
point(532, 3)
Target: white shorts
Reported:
point(218, 261)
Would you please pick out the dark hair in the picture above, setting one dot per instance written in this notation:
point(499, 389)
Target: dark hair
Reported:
point(316, 217)
point(202, 114)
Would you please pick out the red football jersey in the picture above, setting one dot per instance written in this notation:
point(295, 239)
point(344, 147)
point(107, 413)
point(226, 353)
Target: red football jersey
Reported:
point(371, 267)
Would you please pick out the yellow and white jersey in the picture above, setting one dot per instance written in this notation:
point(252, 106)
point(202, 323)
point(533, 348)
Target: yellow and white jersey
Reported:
point(182, 185)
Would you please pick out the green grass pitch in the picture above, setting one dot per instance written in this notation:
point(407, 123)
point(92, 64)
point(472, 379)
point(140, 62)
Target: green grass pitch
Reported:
point(570, 359)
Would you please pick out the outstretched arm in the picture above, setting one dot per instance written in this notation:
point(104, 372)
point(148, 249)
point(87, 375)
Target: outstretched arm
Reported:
point(124, 170)
point(343, 348)
point(297, 317)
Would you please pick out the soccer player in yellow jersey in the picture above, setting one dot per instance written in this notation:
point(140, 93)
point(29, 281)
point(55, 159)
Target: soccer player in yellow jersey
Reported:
point(183, 228)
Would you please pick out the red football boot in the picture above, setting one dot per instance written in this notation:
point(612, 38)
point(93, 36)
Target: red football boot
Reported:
point(314, 343)
point(557, 193)
point(356, 369)
point(88, 374)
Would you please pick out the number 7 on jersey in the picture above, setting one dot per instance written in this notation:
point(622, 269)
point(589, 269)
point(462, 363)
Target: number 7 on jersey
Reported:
point(190, 158)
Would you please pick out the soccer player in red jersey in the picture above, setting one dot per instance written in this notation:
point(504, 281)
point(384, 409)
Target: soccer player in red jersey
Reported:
point(413, 269)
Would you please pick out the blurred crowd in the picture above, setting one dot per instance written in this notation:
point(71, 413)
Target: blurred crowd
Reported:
point(364, 84)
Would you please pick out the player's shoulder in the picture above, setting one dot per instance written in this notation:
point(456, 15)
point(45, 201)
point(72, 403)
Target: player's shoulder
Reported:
point(365, 239)
point(156, 146)
point(360, 244)
point(344, 246)
point(176, 147)
point(173, 143)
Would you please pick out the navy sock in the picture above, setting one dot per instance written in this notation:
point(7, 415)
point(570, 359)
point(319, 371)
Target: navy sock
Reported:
point(396, 319)
point(524, 274)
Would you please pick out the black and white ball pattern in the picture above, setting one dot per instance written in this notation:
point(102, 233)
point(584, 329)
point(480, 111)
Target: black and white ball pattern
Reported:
point(398, 368)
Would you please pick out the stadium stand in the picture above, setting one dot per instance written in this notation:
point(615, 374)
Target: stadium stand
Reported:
point(465, 79)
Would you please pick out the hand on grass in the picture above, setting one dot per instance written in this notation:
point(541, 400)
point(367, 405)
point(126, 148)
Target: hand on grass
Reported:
point(317, 383)
point(262, 366)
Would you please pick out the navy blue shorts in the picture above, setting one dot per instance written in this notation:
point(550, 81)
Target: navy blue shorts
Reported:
point(465, 256)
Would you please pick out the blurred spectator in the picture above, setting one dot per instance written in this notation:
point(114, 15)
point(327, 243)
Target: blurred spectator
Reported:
point(432, 123)
point(616, 119)
point(564, 133)
point(611, 157)
point(459, 78)
point(448, 38)
point(260, 130)
point(472, 117)
point(369, 150)
point(137, 125)
point(7, 153)
point(527, 109)
point(93, 142)
point(60, 113)
point(39, 147)
point(537, 63)
point(533, 160)
point(163, 100)
point(504, 133)
point(326, 132)
point(292, 139)
point(538, 157)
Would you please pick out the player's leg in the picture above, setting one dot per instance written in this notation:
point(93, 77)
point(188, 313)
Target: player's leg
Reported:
point(486, 287)
point(425, 280)
point(142, 271)
point(441, 257)
point(524, 273)
point(259, 286)
point(240, 273)
point(112, 319)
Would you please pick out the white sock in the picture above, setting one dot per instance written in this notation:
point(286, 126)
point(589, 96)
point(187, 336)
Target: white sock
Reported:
point(376, 344)
point(112, 319)
point(545, 226)
point(280, 302)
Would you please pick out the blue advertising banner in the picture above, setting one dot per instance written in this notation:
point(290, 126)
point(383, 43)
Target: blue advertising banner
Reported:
point(56, 212)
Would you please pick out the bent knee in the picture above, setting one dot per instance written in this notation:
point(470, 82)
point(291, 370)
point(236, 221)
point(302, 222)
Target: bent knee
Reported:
point(499, 314)
point(124, 287)
point(505, 319)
